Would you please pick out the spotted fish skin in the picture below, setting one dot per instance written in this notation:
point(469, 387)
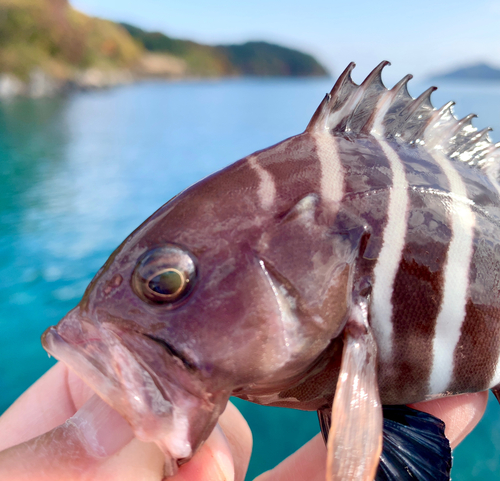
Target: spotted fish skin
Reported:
point(246, 283)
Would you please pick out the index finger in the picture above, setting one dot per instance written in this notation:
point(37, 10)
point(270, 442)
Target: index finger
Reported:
point(459, 413)
point(49, 402)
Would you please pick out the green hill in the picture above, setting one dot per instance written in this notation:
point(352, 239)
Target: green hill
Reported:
point(53, 36)
point(262, 58)
point(251, 58)
point(46, 46)
point(201, 60)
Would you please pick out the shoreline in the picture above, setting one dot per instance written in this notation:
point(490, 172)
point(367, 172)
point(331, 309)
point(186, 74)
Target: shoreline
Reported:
point(42, 85)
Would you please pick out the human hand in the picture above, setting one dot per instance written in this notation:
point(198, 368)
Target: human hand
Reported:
point(459, 413)
point(59, 430)
point(48, 441)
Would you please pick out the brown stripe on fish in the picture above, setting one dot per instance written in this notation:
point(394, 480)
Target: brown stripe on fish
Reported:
point(417, 288)
point(476, 355)
point(299, 176)
point(416, 300)
point(474, 348)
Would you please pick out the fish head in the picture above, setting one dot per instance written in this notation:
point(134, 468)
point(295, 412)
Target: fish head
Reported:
point(194, 306)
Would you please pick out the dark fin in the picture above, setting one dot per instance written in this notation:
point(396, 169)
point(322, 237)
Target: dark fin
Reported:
point(415, 447)
point(370, 108)
point(495, 391)
point(324, 419)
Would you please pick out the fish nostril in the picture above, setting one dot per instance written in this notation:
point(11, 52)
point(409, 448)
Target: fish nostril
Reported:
point(113, 283)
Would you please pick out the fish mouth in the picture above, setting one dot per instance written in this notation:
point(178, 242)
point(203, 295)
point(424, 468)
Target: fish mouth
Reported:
point(157, 408)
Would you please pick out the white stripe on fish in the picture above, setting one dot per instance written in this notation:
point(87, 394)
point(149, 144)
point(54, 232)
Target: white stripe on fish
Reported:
point(267, 187)
point(389, 258)
point(332, 172)
point(456, 279)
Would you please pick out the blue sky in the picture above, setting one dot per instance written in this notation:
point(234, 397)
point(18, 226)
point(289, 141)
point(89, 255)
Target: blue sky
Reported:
point(421, 37)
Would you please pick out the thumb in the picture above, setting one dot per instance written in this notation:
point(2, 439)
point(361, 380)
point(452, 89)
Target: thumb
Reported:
point(78, 449)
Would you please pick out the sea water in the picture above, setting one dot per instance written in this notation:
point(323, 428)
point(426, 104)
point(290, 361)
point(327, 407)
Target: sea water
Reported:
point(79, 173)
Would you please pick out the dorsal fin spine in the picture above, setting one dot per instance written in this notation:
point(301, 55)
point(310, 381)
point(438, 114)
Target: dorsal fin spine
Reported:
point(465, 123)
point(476, 148)
point(322, 113)
point(348, 108)
point(484, 132)
point(442, 117)
point(370, 91)
point(424, 97)
point(401, 89)
point(319, 115)
point(351, 110)
point(375, 76)
point(423, 100)
point(440, 125)
point(403, 83)
point(419, 112)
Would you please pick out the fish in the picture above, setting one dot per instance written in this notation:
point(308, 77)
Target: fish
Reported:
point(350, 270)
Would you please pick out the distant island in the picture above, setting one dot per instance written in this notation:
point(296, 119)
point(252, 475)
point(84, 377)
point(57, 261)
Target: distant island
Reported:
point(46, 47)
point(479, 71)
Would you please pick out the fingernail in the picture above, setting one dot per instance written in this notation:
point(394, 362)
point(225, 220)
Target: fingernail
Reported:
point(104, 430)
point(218, 444)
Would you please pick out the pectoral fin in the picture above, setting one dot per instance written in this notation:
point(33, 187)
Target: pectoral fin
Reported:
point(355, 436)
point(414, 443)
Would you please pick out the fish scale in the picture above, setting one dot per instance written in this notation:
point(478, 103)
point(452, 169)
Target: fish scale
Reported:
point(352, 266)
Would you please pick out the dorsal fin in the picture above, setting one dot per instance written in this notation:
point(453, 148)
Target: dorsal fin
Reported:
point(351, 110)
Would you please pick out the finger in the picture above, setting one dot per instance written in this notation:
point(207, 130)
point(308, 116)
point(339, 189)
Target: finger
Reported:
point(212, 462)
point(459, 413)
point(306, 464)
point(49, 402)
point(239, 438)
point(76, 448)
point(226, 453)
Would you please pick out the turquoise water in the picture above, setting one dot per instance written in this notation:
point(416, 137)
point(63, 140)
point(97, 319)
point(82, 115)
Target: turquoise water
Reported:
point(78, 174)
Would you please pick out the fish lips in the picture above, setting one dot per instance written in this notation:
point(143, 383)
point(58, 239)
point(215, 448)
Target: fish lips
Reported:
point(147, 390)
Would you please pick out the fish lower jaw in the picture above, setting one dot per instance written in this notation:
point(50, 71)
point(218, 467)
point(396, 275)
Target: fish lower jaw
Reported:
point(131, 391)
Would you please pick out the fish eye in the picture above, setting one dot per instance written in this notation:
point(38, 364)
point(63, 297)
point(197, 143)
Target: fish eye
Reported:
point(165, 275)
point(170, 282)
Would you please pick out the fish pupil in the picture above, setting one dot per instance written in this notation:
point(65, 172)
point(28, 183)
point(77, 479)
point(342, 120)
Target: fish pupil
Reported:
point(167, 283)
